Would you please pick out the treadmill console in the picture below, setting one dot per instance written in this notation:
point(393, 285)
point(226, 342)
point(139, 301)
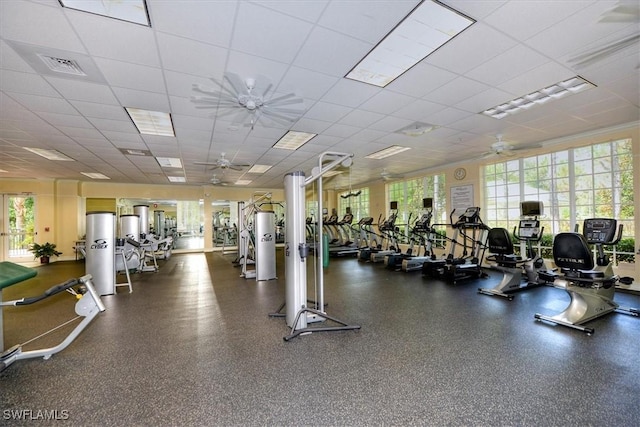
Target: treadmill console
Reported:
point(471, 215)
point(423, 223)
point(600, 230)
point(529, 229)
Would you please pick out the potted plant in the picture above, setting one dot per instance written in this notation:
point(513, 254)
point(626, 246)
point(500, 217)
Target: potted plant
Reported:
point(44, 251)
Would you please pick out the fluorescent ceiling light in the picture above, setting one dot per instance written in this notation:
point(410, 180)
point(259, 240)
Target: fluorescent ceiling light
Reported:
point(151, 122)
point(3, 171)
point(135, 152)
point(293, 140)
point(95, 175)
point(129, 10)
point(390, 151)
point(424, 30)
point(259, 168)
point(177, 178)
point(559, 90)
point(49, 154)
point(243, 182)
point(169, 162)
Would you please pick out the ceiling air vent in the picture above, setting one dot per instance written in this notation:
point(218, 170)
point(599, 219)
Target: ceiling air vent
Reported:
point(61, 65)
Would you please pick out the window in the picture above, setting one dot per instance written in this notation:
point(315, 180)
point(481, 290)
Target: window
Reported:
point(359, 204)
point(409, 195)
point(573, 184)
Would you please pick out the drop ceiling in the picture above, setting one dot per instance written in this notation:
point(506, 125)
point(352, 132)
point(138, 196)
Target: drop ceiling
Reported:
point(302, 47)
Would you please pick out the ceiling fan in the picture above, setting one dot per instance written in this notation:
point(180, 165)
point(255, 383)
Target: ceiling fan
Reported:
point(626, 11)
point(504, 149)
point(217, 181)
point(388, 176)
point(223, 163)
point(250, 100)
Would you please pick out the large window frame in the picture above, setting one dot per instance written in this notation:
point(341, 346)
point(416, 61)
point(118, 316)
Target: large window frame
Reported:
point(574, 184)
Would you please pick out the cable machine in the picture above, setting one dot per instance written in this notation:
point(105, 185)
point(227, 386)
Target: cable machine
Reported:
point(298, 313)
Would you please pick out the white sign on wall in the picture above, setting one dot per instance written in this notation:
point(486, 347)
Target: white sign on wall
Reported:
point(461, 197)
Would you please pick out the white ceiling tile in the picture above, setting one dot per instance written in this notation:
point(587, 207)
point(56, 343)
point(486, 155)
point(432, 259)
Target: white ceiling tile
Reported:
point(455, 91)
point(152, 101)
point(366, 20)
point(306, 83)
point(16, 81)
point(10, 60)
point(507, 65)
point(132, 76)
point(286, 34)
point(38, 25)
point(115, 39)
point(578, 30)
point(421, 79)
point(191, 57)
point(80, 132)
point(418, 110)
point(387, 102)
point(44, 103)
point(350, 93)
point(361, 118)
point(91, 109)
point(71, 120)
point(319, 52)
point(523, 19)
point(83, 91)
point(327, 112)
point(472, 47)
point(246, 65)
point(306, 10)
point(205, 21)
point(390, 124)
point(476, 9)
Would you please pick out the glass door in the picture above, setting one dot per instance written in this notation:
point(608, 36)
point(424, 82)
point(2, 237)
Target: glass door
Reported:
point(17, 227)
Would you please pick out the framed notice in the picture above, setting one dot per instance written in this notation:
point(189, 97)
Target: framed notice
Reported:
point(461, 197)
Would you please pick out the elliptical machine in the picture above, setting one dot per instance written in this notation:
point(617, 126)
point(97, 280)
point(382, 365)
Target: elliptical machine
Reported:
point(473, 232)
point(590, 285)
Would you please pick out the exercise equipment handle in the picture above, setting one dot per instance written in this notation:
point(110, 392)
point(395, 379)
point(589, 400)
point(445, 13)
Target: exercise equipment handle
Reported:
point(49, 292)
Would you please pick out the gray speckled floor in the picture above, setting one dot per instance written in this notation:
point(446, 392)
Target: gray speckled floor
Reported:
point(193, 345)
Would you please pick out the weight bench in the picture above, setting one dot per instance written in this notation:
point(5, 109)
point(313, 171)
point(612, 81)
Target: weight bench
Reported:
point(88, 305)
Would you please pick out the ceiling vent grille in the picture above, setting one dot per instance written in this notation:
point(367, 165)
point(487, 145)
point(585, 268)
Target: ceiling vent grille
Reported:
point(61, 65)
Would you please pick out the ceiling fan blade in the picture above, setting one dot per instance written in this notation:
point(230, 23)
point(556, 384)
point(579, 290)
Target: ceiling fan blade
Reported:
point(241, 117)
point(267, 89)
point(276, 114)
point(236, 83)
point(278, 99)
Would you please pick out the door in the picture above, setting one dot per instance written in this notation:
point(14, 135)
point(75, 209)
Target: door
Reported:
point(17, 227)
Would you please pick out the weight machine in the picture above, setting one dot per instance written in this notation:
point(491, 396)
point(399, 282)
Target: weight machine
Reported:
point(298, 313)
point(88, 306)
point(590, 284)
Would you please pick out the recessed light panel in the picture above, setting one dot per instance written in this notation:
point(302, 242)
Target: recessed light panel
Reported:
point(387, 152)
point(243, 182)
point(259, 168)
point(126, 10)
point(151, 122)
point(49, 154)
point(293, 140)
point(177, 178)
point(559, 90)
point(425, 29)
point(95, 175)
point(169, 162)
